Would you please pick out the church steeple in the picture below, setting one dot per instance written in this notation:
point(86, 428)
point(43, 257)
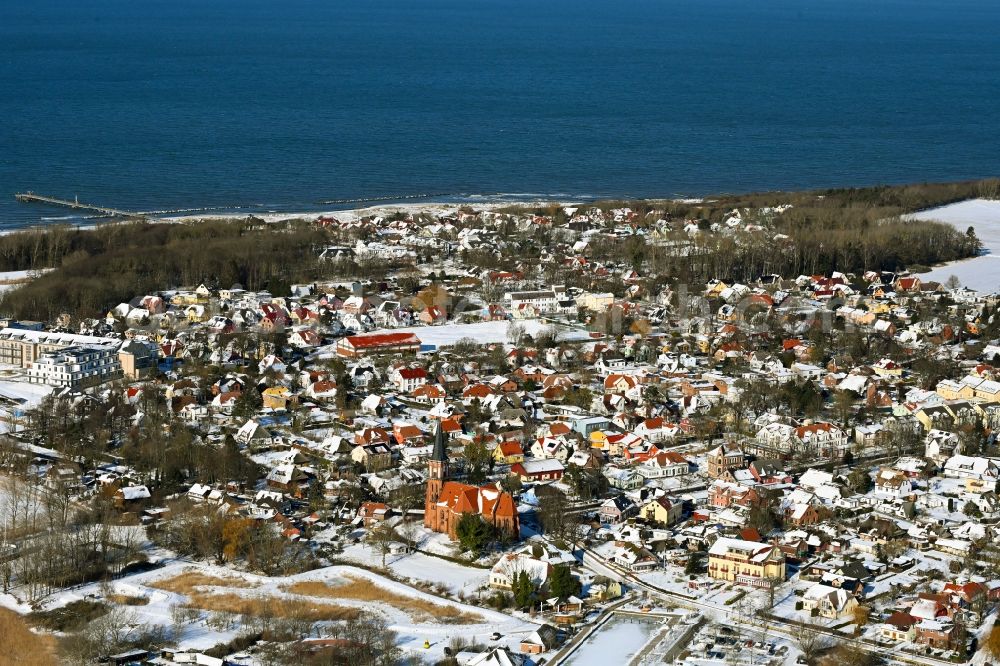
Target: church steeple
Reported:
point(440, 453)
point(437, 473)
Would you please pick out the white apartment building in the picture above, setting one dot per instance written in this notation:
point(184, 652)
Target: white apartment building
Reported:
point(21, 347)
point(546, 301)
point(77, 367)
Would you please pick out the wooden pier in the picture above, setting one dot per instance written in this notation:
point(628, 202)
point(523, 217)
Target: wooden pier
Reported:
point(31, 197)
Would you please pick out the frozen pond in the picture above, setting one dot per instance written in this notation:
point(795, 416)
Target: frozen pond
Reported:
point(614, 643)
point(980, 273)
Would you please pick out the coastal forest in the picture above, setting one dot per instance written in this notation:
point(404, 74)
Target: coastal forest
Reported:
point(817, 232)
point(95, 269)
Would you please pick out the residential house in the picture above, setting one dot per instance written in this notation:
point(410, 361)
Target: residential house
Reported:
point(407, 380)
point(374, 457)
point(623, 479)
point(723, 459)
point(508, 453)
point(661, 511)
point(512, 565)
point(667, 464)
point(548, 469)
point(892, 484)
point(617, 509)
point(830, 602)
point(939, 445)
point(972, 467)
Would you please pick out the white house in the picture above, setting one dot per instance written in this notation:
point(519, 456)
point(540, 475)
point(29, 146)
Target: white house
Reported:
point(830, 602)
point(892, 484)
point(664, 465)
point(512, 565)
point(970, 467)
point(408, 380)
point(939, 445)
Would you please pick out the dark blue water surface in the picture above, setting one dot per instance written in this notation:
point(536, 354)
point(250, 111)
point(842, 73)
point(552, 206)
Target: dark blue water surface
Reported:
point(283, 104)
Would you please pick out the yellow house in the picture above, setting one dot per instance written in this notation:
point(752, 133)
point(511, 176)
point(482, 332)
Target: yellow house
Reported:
point(879, 307)
point(983, 389)
point(508, 453)
point(604, 589)
point(888, 368)
point(934, 416)
point(196, 313)
point(596, 302)
point(703, 343)
point(276, 397)
point(716, 289)
point(184, 298)
point(978, 486)
point(862, 317)
point(746, 562)
point(952, 390)
point(660, 511)
point(598, 439)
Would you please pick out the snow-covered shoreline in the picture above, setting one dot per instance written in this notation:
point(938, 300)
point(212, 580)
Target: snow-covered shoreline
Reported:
point(981, 273)
point(436, 208)
point(429, 207)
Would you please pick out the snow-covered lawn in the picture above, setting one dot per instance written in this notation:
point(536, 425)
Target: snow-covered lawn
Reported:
point(15, 389)
point(981, 273)
point(29, 394)
point(454, 577)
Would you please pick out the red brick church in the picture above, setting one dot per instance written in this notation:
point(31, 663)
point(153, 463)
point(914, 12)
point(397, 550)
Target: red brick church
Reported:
point(446, 500)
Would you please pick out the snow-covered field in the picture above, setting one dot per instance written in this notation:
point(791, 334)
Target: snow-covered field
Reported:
point(8, 276)
point(22, 507)
point(980, 273)
point(25, 395)
point(12, 279)
point(411, 632)
point(486, 332)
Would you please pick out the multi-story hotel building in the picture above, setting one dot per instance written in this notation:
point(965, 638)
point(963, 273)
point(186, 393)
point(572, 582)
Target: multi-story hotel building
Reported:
point(746, 562)
point(77, 367)
point(21, 347)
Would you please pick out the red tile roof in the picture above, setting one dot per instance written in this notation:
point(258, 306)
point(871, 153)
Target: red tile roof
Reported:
point(382, 340)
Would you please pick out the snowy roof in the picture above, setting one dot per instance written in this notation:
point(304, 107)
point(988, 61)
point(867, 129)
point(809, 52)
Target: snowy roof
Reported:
point(754, 551)
point(131, 493)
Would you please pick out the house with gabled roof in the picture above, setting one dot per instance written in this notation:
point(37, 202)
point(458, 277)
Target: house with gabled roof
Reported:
point(665, 464)
point(830, 602)
point(617, 509)
point(508, 453)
